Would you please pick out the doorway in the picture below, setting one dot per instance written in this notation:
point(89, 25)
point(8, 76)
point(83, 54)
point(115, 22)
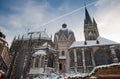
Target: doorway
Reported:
point(60, 66)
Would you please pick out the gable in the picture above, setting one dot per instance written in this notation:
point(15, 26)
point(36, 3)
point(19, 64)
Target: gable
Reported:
point(62, 37)
point(71, 38)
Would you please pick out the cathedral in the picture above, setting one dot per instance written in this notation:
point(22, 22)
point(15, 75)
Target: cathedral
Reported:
point(83, 56)
point(63, 40)
point(35, 54)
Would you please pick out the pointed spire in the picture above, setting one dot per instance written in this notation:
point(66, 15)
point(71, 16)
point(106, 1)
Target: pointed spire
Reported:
point(31, 36)
point(39, 35)
point(22, 36)
point(14, 38)
point(51, 37)
point(87, 17)
point(19, 36)
point(94, 22)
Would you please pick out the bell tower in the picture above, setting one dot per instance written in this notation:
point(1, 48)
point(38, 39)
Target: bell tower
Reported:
point(90, 27)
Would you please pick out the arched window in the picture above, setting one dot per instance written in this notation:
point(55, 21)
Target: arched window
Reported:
point(60, 66)
point(88, 58)
point(51, 60)
point(118, 54)
point(63, 53)
point(32, 61)
point(102, 57)
point(71, 55)
point(36, 61)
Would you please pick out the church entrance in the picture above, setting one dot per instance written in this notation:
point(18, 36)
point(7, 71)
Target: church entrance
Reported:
point(60, 66)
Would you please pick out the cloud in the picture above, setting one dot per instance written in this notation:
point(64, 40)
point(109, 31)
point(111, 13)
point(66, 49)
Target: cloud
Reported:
point(108, 18)
point(27, 16)
point(34, 15)
point(30, 14)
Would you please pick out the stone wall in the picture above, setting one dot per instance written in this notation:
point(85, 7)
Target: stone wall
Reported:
point(22, 50)
point(93, 56)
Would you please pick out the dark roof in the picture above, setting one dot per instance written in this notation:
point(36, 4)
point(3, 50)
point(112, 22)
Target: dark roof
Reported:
point(2, 35)
point(64, 31)
point(94, 22)
point(87, 17)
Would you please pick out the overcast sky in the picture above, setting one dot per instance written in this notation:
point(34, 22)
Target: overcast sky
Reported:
point(17, 16)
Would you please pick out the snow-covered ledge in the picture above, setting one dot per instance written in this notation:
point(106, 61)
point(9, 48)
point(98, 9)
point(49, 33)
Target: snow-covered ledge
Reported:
point(36, 71)
point(102, 66)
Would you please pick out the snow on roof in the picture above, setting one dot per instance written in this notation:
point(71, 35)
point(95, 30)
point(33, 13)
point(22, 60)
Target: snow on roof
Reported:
point(77, 74)
point(36, 71)
point(62, 57)
point(73, 74)
point(39, 52)
point(101, 40)
point(93, 77)
point(34, 35)
point(64, 31)
point(46, 45)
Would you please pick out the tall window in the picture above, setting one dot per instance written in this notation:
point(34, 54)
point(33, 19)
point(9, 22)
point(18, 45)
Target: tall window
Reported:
point(36, 61)
point(118, 54)
point(102, 57)
point(63, 53)
point(32, 61)
point(60, 66)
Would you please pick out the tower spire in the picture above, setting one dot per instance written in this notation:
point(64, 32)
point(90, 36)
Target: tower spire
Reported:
point(87, 17)
point(94, 22)
point(90, 27)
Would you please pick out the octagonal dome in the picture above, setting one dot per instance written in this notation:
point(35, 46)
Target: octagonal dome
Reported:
point(64, 30)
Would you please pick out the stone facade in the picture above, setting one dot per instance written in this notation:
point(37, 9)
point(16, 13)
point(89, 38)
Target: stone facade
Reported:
point(94, 51)
point(42, 62)
point(63, 39)
point(89, 57)
point(111, 71)
point(4, 54)
point(65, 55)
point(22, 50)
point(90, 27)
